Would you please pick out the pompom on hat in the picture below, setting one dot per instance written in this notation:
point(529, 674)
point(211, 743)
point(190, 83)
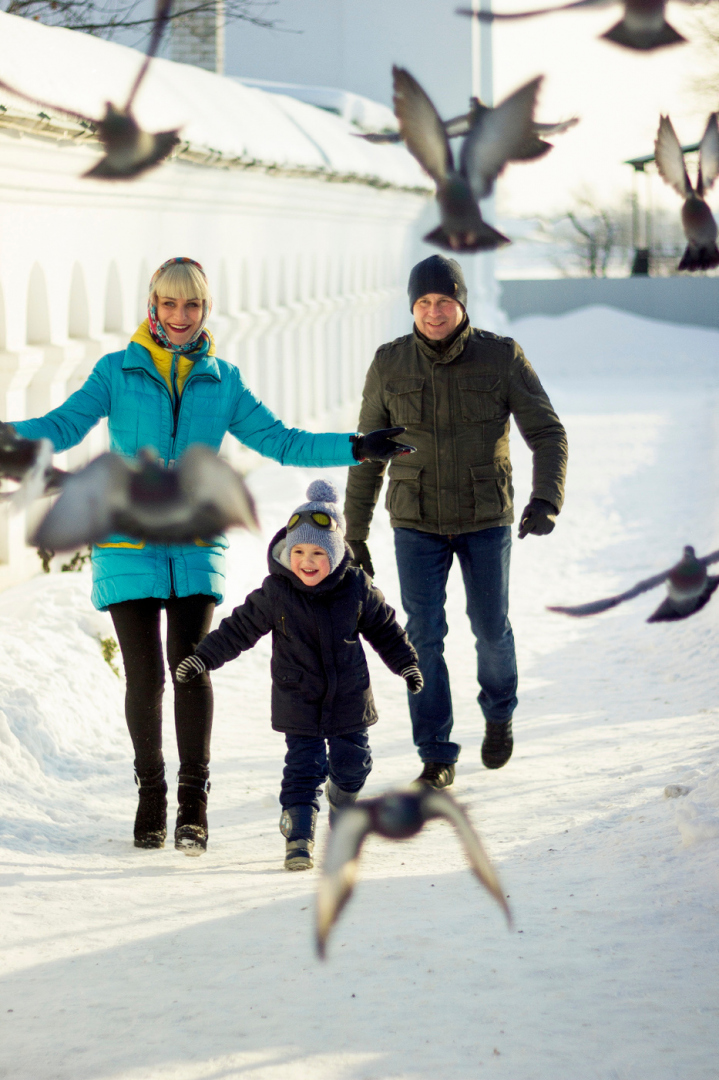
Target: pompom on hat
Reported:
point(323, 499)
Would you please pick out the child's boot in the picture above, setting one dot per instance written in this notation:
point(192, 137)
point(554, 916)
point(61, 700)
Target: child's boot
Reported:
point(191, 830)
point(297, 825)
point(338, 798)
point(151, 816)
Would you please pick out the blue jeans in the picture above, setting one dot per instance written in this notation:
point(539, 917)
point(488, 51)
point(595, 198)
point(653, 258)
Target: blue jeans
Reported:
point(424, 560)
point(308, 764)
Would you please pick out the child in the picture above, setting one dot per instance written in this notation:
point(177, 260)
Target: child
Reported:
point(316, 606)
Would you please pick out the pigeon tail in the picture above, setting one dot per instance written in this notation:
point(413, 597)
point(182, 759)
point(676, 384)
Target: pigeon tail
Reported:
point(478, 237)
point(703, 257)
point(643, 38)
point(669, 610)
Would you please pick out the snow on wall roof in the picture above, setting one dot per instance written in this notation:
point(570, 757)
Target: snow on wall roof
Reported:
point(217, 115)
point(368, 115)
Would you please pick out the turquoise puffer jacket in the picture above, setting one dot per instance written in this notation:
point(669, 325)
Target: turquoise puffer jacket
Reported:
point(127, 388)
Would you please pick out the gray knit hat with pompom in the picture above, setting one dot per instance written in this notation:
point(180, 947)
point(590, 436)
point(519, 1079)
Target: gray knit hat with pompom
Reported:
point(323, 496)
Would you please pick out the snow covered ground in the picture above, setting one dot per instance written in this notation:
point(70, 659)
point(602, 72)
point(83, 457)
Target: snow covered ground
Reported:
point(134, 965)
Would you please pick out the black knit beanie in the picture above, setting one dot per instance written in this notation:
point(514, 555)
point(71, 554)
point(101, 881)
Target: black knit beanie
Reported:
point(437, 275)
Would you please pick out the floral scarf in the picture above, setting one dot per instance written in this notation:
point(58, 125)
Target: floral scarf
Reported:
point(201, 339)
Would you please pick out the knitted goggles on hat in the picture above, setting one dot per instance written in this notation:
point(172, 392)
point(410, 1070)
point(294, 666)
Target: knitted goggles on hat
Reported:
point(311, 517)
point(200, 337)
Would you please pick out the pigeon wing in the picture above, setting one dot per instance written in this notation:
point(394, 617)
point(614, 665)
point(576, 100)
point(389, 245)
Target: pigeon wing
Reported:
point(84, 513)
point(498, 136)
point(669, 158)
point(339, 871)
point(492, 16)
point(163, 9)
point(46, 104)
point(595, 606)
point(217, 490)
point(706, 560)
point(709, 154)
point(420, 126)
point(440, 804)
point(555, 129)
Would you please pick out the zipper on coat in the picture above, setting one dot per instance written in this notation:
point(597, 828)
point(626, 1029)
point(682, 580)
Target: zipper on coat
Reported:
point(436, 448)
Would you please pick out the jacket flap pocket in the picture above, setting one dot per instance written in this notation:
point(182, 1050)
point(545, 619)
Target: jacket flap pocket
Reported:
point(495, 470)
point(405, 472)
point(483, 383)
point(287, 675)
point(405, 385)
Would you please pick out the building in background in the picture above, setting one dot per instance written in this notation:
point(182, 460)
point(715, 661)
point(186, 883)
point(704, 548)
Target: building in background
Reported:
point(198, 37)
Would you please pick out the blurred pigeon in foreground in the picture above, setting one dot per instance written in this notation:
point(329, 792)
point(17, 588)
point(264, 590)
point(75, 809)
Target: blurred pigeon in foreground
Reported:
point(129, 151)
point(643, 25)
point(397, 815)
point(700, 228)
point(198, 499)
point(29, 463)
point(497, 136)
point(689, 588)
point(534, 147)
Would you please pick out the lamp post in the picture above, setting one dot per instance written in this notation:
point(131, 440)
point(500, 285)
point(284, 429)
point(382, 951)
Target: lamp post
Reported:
point(483, 88)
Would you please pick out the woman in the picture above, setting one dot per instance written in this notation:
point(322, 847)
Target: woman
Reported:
point(167, 390)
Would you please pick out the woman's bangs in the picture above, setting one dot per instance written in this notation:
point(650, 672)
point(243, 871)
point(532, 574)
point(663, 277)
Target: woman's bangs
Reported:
point(182, 281)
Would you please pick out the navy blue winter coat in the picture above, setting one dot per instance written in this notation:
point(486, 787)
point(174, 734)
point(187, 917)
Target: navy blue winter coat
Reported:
point(320, 679)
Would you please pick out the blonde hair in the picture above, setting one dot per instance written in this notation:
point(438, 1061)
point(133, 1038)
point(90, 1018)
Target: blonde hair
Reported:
point(181, 281)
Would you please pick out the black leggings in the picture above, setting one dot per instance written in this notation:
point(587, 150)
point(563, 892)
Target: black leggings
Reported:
point(137, 623)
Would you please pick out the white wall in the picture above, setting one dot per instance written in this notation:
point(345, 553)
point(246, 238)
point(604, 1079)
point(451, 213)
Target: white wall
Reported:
point(308, 276)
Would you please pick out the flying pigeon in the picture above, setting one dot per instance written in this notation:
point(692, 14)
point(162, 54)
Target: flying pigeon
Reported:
point(643, 25)
point(197, 499)
point(129, 151)
point(689, 588)
point(495, 138)
point(29, 463)
point(534, 147)
point(397, 815)
point(700, 228)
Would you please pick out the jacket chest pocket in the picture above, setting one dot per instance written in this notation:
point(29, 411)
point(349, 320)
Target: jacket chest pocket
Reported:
point(493, 492)
point(404, 400)
point(479, 398)
point(404, 495)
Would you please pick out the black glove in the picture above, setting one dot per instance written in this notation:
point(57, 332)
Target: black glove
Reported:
point(362, 557)
point(538, 517)
point(413, 677)
point(379, 445)
point(189, 668)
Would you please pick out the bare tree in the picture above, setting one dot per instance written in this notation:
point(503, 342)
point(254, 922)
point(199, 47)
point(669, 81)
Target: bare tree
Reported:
point(596, 234)
point(705, 18)
point(108, 18)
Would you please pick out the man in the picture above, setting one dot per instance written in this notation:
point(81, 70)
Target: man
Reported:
point(454, 388)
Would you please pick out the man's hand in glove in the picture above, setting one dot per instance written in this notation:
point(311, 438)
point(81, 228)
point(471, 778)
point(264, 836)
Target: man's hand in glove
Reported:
point(413, 677)
point(362, 557)
point(539, 518)
point(189, 668)
point(379, 445)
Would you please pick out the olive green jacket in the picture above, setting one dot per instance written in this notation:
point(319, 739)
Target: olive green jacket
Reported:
point(455, 402)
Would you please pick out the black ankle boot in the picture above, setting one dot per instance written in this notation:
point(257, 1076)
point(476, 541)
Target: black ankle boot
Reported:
point(497, 745)
point(191, 830)
point(297, 825)
point(338, 799)
point(436, 774)
point(151, 816)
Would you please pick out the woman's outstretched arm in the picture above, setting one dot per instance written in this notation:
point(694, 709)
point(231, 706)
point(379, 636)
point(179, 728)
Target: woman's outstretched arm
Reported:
point(68, 425)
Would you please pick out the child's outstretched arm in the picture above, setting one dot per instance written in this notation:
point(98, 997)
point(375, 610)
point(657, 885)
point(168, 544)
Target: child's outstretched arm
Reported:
point(235, 634)
point(378, 624)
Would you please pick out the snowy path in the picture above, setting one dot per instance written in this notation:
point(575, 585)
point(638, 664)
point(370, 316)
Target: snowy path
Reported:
point(135, 965)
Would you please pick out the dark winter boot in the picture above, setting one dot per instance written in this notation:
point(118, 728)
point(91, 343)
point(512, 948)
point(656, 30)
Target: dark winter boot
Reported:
point(297, 825)
point(497, 744)
point(151, 816)
point(338, 798)
point(436, 774)
point(193, 787)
